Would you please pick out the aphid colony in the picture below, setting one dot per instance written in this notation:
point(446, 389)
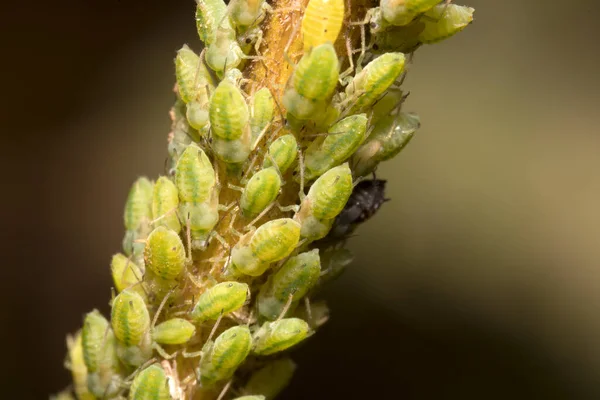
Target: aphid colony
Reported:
point(223, 255)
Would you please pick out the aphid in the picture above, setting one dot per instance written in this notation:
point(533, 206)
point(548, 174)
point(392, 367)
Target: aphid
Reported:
point(229, 117)
point(209, 15)
point(322, 22)
point(262, 110)
point(165, 202)
point(126, 274)
point(137, 217)
point(221, 358)
point(273, 337)
point(76, 364)
point(271, 379)
point(402, 12)
point(390, 135)
point(224, 52)
point(100, 357)
point(150, 384)
point(313, 83)
point(173, 331)
point(260, 191)
point(283, 152)
point(443, 21)
point(198, 194)
point(365, 200)
point(295, 278)
point(272, 241)
point(194, 81)
point(221, 299)
point(325, 200)
point(372, 82)
point(131, 322)
point(341, 141)
point(164, 254)
point(247, 13)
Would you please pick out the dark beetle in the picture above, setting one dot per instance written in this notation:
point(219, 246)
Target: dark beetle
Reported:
point(366, 198)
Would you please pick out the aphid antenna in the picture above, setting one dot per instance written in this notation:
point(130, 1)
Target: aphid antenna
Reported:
point(301, 193)
point(250, 225)
point(161, 306)
point(188, 234)
point(127, 381)
point(308, 310)
point(224, 391)
point(214, 328)
point(257, 151)
point(286, 307)
point(172, 210)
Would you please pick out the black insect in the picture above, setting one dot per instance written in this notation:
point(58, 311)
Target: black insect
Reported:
point(366, 198)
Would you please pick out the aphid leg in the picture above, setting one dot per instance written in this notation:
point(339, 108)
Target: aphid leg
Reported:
point(294, 207)
point(286, 307)
point(259, 216)
point(188, 235)
point(308, 310)
point(225, 389)
point(162, 352)
point(301, 193)
point(234, 187)
point(342, 78)
point(175, 389)
point(161, 306)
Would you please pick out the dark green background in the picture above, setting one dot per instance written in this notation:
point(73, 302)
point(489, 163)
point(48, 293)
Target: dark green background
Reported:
point(479, 280)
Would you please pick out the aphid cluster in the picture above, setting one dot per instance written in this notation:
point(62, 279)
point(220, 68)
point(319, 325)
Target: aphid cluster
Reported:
point(224, 256)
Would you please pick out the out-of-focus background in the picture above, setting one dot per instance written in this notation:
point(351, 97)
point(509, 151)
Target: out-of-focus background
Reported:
point(479, 280)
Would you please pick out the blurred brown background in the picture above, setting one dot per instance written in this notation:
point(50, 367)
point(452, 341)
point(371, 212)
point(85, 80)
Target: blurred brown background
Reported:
point(481, 279)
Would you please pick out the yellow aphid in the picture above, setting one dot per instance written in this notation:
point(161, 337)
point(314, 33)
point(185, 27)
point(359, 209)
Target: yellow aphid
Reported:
point(164, 253)
point(194, 176)
point(194, 82)
point(150, 384)
point(209, 14)
point(262, 110)
point(322, 22)
point(165, 202)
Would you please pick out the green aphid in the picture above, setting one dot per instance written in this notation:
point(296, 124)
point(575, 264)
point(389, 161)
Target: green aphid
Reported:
point(272, 241)
point(443, 21)
point(194, 176)
point(229, 120)
point(194, 81)
point(150, 384)
point(165, 202)
point(221, 299)
point(295, 278)
point(263, 107)
point(209, 15)
point(389, 137)
point(372, 82)
point(271, 379)
point(126, 274)
point(338, 145)
point(280, 335)
point(100, 357)
point(404, 39)
point(164, 254)
point(283, 152)
point(402, 12)
point(247, 13)
point(76, 364)
point(224, 52)
point(260, 191)
point(324, 201)
point(197, 116)
point(131, 322)
point(137, 217)
point(198, 195)
point(130, 318)
point(221, 358)
point(229, 114)
point(313, 83)
point(173, 331)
